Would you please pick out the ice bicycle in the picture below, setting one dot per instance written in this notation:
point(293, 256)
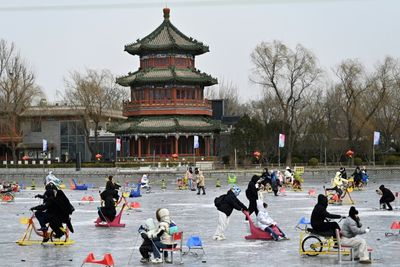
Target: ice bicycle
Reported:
point(28, 238)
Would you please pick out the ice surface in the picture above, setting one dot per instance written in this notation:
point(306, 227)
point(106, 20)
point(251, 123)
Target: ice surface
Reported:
point(195, 215)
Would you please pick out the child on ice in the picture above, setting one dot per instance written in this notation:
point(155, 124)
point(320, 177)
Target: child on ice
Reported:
point(266, 223)
point(147, 231)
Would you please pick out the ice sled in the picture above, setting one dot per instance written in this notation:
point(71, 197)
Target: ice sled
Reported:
point(76, 186)
point(257, 233)
point(115, 223)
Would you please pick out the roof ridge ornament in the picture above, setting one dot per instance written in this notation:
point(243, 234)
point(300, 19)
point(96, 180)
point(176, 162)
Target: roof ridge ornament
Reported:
point(166, 12)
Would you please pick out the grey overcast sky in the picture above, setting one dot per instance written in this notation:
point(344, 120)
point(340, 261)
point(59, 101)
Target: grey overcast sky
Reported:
point(58, 36)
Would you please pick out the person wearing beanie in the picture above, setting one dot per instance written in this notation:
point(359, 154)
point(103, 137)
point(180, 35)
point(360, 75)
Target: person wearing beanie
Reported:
point(225, 205)
point(320, 214)
point(351, 228)
point(387, 197)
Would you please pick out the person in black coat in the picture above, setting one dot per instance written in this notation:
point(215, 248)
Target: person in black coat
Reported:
point(108, 211)
point(252, 194)
point(319, 216)
point(58, 210)
point(225, 205)
point(387, 197)
point(357, 176)
point(41, 214)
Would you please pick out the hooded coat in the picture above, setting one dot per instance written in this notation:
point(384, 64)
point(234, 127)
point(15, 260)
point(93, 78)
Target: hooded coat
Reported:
point(252, 190)
point(387, 195)
point(230, 202)
point(162, 232)
point(263, 218)
point(319, 214)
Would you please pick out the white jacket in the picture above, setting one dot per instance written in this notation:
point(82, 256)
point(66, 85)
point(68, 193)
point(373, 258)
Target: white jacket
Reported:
point(263, 218)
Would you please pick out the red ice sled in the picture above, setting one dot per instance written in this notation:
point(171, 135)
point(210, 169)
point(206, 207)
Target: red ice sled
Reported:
point(257, 233)
point(115, 223)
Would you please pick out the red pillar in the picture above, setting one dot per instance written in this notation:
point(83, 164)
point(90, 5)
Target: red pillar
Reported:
point(148, 147)
point(139, 147)
point(176, 145)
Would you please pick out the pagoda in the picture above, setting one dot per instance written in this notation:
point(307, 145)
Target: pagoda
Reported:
point(167, 112)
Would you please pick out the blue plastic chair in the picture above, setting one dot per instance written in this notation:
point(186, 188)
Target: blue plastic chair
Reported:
point(303, 222)
point(194, 242)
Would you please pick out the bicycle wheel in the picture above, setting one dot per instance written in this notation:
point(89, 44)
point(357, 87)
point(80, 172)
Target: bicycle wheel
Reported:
point(312, 244)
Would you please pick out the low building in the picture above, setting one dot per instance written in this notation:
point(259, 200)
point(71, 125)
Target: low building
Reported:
point(62, 127)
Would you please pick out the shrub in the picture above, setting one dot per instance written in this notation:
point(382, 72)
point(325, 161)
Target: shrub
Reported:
point(225, 159)
point(296, 160)
point(313, 162)
point(392, 160)
point(357, 161)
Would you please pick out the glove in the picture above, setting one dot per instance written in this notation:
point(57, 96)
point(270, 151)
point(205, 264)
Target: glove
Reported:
point(36, 196)
point(344, 217)
point(367, 230)
point(32, 209)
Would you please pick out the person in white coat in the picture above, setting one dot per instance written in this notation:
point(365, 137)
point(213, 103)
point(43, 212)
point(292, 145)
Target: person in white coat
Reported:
point(266, 223)
point(351, 228)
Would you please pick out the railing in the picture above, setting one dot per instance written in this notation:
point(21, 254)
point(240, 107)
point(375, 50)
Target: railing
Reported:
point(167, 102)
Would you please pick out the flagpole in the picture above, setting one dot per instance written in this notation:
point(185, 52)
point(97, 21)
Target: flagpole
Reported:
point(279, 157)
point(373, 154)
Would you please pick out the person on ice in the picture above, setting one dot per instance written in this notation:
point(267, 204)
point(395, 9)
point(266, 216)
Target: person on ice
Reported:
point(288, 175)
point(266, 223)
point(146, 231)
point(351, 228)
point(200, 181)
point(320, 214)
point(337, 184)
point(162, 238)
point(252, 194)
point(58, 210)
point(225, 205)
point(357, 174)
point(387, 197)
point(108, 211)
point(189, 175)
point(111, 185)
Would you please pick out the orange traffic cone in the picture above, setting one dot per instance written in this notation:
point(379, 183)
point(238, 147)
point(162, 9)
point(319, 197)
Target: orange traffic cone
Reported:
point(107, 260)
point(395, 225)
point(134, 205)
point(312, 192)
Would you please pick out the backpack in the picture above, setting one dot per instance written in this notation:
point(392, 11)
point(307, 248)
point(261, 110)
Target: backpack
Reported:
point(173, 228)
point(218, 201)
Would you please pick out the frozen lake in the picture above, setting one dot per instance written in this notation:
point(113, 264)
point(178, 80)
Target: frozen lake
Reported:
point(195, 215)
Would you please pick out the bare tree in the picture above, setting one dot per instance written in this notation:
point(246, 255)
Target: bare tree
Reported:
point(96, 92)
point(359, 97)
point(288, 75)
point(17, 91)
point(387, 117)
point(229, 93)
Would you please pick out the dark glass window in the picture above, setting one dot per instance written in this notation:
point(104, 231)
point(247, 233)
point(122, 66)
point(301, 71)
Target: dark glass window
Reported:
point(36, 125)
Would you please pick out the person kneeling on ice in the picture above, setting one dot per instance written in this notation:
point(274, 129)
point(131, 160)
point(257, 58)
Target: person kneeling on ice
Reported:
point(147, 231)
point(225, 205)
point(162, 238)
point(351, 228)
point(266, 223)
point(387, 197)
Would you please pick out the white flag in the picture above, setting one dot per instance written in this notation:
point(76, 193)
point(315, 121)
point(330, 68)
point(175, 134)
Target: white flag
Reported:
point(281, 140)
point(377, 137)
point(118, 144)
point(44, 145)
point(196, 141)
